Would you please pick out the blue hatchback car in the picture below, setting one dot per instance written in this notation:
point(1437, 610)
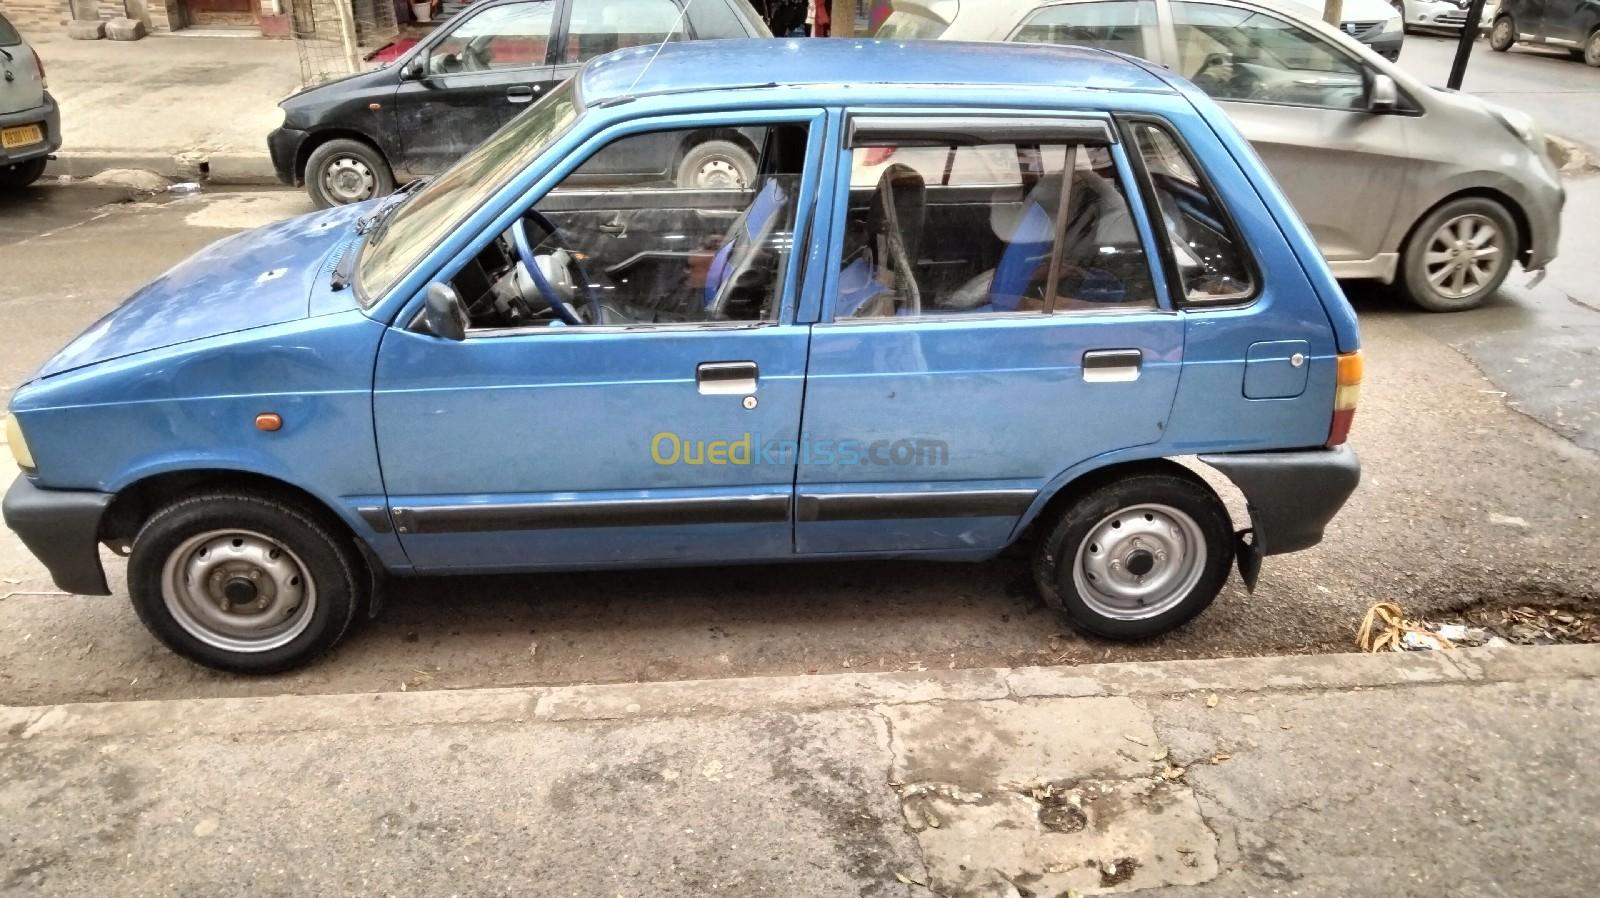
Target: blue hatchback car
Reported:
point(976, 296)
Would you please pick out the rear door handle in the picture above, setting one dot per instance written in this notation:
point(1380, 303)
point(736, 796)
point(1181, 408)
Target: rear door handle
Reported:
point(726, 378)
point(521, 93)
point(1102, 366)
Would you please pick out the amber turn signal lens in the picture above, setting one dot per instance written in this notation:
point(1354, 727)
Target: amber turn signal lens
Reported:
point(1345, 397)
point(268, 421)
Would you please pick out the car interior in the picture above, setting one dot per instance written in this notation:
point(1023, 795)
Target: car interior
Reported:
point(644, 254)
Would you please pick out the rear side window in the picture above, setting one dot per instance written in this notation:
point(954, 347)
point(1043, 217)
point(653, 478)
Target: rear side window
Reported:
point(1211, 261)
point(997, 228)
point(908, 22)
point(1126, 26)
point(8, 35)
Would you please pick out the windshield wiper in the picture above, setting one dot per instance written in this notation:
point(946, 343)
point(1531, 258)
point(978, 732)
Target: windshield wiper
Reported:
point(375, 225)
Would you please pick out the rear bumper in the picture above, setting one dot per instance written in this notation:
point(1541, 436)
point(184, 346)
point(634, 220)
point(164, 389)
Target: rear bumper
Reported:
point(61, 528)
point(283, 144)
point(1291, 495)
point(49, 116)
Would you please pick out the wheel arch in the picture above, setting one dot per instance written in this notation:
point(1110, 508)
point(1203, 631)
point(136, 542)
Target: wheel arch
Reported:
point(315, 139)
point(1519, 218)
point(1069, 486)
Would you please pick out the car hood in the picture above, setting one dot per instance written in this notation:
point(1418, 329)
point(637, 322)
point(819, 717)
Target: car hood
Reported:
point(251, 279)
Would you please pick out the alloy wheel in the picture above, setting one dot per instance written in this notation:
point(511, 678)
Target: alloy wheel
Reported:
point(1465, 254)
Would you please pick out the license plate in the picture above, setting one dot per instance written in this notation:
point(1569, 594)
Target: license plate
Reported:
point(21, 136)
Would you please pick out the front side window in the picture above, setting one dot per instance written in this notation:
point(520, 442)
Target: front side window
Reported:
point(1126, 26)
point(601, 26)
point(1233, 53)
point(1209, 255)
point(504, 37)
point(1020, 228)
point(641, 250)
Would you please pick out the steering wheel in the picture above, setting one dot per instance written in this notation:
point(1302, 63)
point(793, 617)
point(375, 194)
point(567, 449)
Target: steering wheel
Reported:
point(573, 280)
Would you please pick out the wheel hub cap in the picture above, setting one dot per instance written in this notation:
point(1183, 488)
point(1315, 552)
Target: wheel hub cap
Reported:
point(719, 173)
point(238, 590)
point(1139, 562)
point(1464, 256)
point(349, 180)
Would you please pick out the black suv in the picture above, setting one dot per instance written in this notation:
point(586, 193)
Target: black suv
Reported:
point(1573, 24)
point(355, 138)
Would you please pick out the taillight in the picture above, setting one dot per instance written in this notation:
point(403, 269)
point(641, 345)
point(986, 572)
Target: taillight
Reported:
point(39, 63)
point(1345, 397)
point(876, 155)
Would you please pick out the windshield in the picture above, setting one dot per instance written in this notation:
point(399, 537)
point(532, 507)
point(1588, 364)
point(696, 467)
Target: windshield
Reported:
point(435, 210)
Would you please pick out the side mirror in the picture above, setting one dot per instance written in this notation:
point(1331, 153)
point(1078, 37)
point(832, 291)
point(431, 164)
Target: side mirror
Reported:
point(416, 68)
point(443, 315)
point(1383, 95)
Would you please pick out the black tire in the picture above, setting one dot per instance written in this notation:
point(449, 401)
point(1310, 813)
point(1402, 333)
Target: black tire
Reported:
point(1414, 268)
point(1057, 553)
point(16, 177)
point(332, 569)
point(345, 171)
point(714, 162)
point(1591, 49)
point(1503, 34)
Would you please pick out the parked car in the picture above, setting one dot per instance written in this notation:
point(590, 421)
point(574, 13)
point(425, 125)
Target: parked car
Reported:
point(509, 370)
point(30, 123)
point(1573, 24)
point(1398, 181)
point(1379, 24)
point(1446, 15)
point(359, 137)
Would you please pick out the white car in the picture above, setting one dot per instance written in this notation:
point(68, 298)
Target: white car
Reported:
point(1448, 15)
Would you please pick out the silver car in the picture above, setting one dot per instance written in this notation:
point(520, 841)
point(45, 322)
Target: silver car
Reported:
point(30, 124)
point(1398, 181)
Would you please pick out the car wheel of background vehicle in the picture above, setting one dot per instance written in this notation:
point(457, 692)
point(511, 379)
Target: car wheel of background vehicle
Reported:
point(16, 177)
point(243, 583)
point(1503, 34)
point(1459, 255)
point(1591, 49)
point(345, 171)
point(1136, 557)
point(717, 164)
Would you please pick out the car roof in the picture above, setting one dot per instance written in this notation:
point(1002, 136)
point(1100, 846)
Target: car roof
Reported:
point(694, 66)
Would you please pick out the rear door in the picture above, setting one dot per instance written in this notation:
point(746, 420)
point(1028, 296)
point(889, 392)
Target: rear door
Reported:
point(975, 342)
point(487, 66)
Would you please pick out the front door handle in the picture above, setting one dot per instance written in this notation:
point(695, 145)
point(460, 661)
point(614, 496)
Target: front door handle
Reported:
point(726, 378)
point(1101, 366)
point(521, 93)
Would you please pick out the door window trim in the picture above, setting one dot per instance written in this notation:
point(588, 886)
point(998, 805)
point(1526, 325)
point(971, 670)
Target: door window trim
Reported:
point(1172, 277)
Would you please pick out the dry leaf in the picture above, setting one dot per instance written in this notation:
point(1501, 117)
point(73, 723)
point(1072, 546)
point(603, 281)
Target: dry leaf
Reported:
point(1219, 757)
point(1160, 755)
point(1172, 773)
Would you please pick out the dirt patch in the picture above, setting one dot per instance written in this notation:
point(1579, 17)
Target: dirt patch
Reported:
point(1117, 872)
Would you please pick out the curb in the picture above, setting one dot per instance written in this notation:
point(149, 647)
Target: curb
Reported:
point(210, 168)
point(625, 701)
point(1569, 156)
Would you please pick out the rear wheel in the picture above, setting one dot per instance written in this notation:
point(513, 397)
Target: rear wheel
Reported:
point(1136, 557)
point(1459, 255)
point(244, 583)
point(344, 171)
point(1503, 34)
point(717, 164)
point(16, 177)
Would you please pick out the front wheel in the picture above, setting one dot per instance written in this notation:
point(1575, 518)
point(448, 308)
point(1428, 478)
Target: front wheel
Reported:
point(1459, 255)
point(344, 171)
point(16, 177)
point(717, 164)
point(1136, 557)
point(1591, 49)
point(243, 583)
point(1502, 35)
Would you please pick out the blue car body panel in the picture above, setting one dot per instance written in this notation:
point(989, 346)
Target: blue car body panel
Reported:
point(536, 449)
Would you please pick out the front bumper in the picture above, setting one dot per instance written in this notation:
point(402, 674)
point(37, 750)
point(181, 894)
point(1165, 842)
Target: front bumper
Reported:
point(1291, 497)
point(61, 528)
point(48, 115)
point(283, 144)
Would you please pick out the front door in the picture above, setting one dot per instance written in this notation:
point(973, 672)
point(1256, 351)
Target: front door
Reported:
point(1301, 101)
point(632, 357)
point(485, 68)
point(992, 321)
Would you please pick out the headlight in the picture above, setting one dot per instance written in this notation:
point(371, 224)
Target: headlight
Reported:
point(19, 446)
point(1394, 25)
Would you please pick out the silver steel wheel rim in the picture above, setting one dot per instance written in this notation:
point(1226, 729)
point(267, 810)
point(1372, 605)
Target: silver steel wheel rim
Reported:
point(1139, 562)
point(719, 173)
point(1502, 31)
point(238, 590)
point(349, 180)
point(1463, 256)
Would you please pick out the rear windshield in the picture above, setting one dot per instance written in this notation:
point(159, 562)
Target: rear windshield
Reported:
point(913, 24)
point(8, 35)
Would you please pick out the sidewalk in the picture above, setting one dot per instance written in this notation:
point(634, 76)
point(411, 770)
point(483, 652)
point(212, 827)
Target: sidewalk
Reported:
point(168, 103)
point(1460, 773)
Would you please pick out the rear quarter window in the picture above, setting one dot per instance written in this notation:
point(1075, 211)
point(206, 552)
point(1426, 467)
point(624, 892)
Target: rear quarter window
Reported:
point(8, 35)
